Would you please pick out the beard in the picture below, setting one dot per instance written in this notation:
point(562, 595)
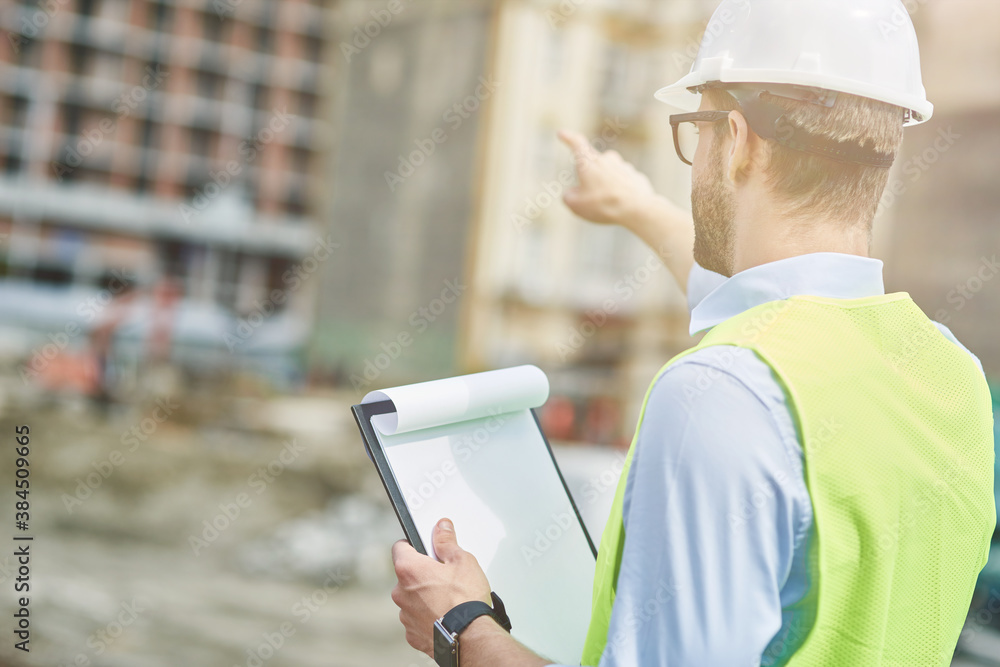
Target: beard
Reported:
point(713, 212)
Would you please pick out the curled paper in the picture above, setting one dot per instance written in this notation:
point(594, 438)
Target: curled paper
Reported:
point(438, 402)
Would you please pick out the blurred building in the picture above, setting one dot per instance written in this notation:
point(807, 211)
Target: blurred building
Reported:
point(414, 91)
point(444, 187)
point(939, 227)
point(589, 303)
point(172, 142)
point(575, 298)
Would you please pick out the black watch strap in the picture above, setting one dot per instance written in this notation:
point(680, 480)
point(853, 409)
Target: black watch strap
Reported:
point(462, 614)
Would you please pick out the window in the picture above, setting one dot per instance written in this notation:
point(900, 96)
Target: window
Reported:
point(148, 133)
point(159, 15)
point(299, 158)
point(295, 204)
point(52, 274)
point(260, 96)
point(13, 163)
point(80, 56)
point(86, 7)
point(228, 286)
point(142, 183)
point(265, 36)
point(307, 104)
point(209, 84)
point(623, 87)
point(97, 174)
point(17, 111)
point(202, 142)
point(196, 177)
point(250, 189)
point(312, 47)
point(115, 10)
point(174, 257)
point(24, 49)
point(213, 27)
point(106, 65)
point(72, 118)
point(554, 59)
point(276, 269)
point(157, 74)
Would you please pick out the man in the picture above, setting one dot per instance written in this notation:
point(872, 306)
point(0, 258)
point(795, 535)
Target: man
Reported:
point(813, 483)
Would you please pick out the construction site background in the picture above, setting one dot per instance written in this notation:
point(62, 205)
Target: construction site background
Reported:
point(222, 222)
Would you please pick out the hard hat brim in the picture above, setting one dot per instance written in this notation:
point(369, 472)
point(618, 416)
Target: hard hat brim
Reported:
point(679, 95)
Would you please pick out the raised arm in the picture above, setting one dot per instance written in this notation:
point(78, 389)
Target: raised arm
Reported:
point(612, 191)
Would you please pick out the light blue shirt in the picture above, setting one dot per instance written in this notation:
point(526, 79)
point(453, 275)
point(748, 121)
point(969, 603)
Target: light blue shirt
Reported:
point(716, 510)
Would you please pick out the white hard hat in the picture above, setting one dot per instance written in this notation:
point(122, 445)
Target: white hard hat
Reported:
point(862, 47)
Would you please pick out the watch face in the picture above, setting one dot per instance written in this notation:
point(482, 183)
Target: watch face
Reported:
point(445, 646)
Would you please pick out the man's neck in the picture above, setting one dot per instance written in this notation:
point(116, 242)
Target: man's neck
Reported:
point(762, 235)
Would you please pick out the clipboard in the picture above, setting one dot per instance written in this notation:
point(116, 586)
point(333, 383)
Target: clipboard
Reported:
point(471, 448)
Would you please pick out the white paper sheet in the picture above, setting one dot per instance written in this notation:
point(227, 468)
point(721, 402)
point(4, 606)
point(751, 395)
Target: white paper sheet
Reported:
point(468, 448)
point(438, 402)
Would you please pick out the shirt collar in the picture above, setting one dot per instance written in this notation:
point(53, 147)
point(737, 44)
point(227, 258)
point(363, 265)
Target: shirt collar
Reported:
point(825, 274)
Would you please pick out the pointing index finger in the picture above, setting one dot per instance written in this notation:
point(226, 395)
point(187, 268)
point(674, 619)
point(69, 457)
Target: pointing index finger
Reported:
point(577, 143)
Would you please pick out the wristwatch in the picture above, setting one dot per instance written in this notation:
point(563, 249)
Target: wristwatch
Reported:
point(448, 627)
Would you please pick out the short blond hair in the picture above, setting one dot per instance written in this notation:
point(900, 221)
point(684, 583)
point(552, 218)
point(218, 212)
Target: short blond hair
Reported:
point(812, 185)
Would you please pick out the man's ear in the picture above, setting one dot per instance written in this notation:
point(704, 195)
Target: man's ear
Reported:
point(741, 146)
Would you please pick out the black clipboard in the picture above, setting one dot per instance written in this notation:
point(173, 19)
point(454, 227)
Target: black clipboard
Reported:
point(363, 414)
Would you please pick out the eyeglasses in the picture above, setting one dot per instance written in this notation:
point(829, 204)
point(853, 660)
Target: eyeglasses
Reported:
point(769, 122)
point(685, 128)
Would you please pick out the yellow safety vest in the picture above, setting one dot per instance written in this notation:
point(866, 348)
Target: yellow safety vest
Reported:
point(896, 425)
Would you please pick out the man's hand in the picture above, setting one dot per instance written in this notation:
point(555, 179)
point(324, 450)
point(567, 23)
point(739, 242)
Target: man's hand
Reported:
point(428, 589)
point(610, 189)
